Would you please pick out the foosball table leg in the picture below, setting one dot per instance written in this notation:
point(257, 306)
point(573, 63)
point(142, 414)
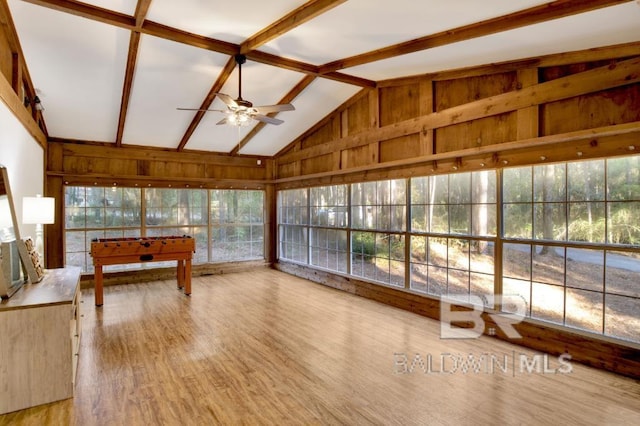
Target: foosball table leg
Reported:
point(98, 289)
point(187, 277)
point(180, 273)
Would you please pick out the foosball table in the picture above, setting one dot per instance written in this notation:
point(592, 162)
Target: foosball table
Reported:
point(114, 251)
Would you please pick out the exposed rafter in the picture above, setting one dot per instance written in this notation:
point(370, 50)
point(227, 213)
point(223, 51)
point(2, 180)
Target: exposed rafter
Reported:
point(138, 24)
point(295, 18)
point(208, 100)
point(158, 30)
point(134, 41)
point(534, 15)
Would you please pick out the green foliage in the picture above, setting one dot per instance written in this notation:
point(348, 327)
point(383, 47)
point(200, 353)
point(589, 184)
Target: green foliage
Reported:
point(364, 243)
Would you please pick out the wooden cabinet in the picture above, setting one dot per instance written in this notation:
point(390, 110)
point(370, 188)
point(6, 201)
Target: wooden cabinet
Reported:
point(39, 341)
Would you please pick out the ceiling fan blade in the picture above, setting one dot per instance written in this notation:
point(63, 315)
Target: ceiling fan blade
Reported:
point(223, 121)
point(227, 100)
point(267, 119)
point(266, 109)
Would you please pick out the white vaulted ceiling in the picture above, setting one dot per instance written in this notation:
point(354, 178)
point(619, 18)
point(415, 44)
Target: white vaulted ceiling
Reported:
point(80, 57)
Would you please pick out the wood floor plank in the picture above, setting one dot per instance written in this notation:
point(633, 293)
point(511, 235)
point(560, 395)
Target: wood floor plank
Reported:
point(264, 347)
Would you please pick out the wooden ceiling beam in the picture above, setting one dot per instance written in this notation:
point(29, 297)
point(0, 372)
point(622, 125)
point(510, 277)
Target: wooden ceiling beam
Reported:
point(533, 15)
point(295, 18)
point(142, 8)
point(293, 65)
point(288, 98)
point(208, 100)
point(88, 11)
point(173, 34)
point(169, 33)
point(134, 41)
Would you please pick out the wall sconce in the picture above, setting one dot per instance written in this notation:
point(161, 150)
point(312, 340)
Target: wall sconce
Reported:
point(37, 104)
point(38, 211)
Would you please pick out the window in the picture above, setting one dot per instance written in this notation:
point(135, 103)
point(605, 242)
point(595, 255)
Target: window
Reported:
point(328, 220)
point(177, 212)
point(445, 208)
point(571, 230)
point(381, 207)
point(293, 214)
point(568, 234)
point(237, 225)
point(233, 219)
point(98, 212)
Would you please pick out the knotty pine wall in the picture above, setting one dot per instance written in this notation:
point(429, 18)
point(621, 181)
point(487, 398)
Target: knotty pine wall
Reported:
point(561, 107)
point(74, 163)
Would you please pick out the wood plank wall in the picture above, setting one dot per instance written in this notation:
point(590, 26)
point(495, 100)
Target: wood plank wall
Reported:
point(74, 163)
point(582, 104)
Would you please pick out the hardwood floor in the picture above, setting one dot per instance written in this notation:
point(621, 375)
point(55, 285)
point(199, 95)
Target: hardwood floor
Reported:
point(264, 347)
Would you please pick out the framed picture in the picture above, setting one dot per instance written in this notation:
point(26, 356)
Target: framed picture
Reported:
point(31, 259)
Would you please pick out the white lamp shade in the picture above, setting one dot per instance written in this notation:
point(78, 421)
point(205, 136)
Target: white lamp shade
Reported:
point(38, 210)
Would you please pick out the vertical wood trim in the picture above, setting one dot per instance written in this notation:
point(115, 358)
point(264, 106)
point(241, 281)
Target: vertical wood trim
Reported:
point(426, 107)
point(342, 156)
point(16, 73)
point(374, 152)
point(374, 109)
point(270, 224)
point(344, 123)
point(527, 118)
point(374, 122)
point(54, 250)
point(497, 251)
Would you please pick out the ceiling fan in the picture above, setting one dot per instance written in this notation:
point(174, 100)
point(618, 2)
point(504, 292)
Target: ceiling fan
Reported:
point(240, 112)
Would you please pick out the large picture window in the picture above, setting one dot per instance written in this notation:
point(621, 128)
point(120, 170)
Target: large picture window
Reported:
point(237, 225)
point(228, 225)
point(379, 209)
point(571, 233)
point(293, 218)
point(444, 208)
point(329, 216)
point(568, 235)
point(98, 212)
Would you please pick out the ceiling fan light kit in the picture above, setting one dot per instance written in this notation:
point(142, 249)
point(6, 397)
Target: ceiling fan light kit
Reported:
point(241, 112)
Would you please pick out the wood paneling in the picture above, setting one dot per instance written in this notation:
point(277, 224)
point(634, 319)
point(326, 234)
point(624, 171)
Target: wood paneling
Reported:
point(451, 93)
point(323, 163)
point(129, 165)
point(358, 116)
point(481, 132)
point(399, 103)
point(563, 147)
point(614, 106)
point(328, 131)
point(423, 118)
point(400, 148)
